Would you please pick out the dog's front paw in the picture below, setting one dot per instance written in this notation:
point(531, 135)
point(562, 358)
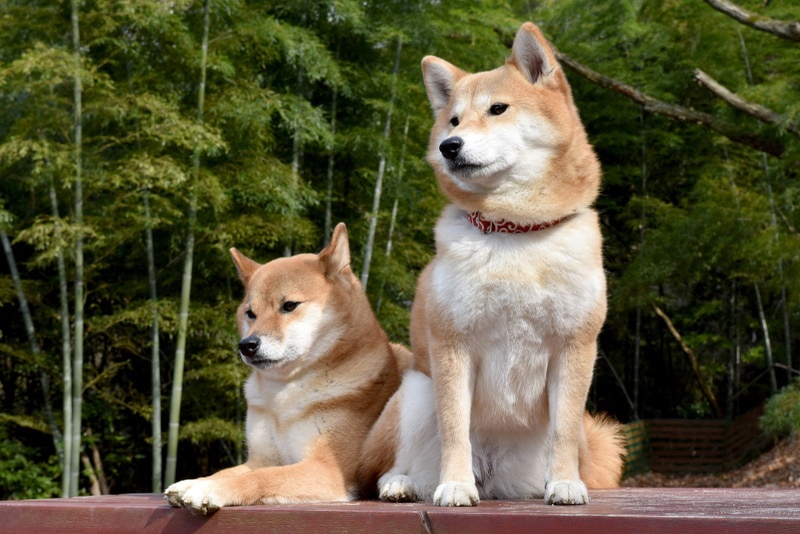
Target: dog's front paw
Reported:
point(456, 494)
point(397, 488)
point(566, 492)
point(202, 497)
point(174, 493)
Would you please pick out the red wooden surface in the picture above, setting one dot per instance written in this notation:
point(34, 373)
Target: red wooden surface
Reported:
point(634, 510)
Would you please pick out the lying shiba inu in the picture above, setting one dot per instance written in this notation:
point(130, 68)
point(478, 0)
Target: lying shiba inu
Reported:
point(506, 317)
point(322, 371)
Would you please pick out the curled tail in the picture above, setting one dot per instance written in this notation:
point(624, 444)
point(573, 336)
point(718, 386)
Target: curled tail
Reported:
point(601, 458)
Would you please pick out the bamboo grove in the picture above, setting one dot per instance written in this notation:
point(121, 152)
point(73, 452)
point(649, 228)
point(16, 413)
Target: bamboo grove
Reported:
point(141, 139)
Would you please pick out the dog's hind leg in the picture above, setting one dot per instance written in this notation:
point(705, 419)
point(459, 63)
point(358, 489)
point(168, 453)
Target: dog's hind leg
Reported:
point(416, 465)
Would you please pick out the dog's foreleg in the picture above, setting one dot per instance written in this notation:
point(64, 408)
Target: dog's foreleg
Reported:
point(568, 384)
point(311, 480)
point(174, 493)
point(452, 373)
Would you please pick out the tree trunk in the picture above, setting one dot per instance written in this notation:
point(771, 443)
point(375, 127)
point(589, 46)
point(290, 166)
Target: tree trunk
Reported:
point(155, 360)
point(77, 363)
point(787, 332)
point(774, 220)
point(297, 154)
point(735, 360)
point(66, 346)
point(376, 199)
point(186, 287)
point(329, 174)
point(785, 30)
point(762, 318)
point(735, 357)
point(757, 141)
point(712, 400)
point(757, 111)
point(328, 229)
point(637, 345)
point(27, 320)
point(393, 217)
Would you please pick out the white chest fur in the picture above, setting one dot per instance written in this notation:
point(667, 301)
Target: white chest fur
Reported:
point(278, 430)
point(513, 300)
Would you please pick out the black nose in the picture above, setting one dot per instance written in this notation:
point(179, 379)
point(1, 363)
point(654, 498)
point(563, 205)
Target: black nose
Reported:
point(249, 346)
point(451, 146)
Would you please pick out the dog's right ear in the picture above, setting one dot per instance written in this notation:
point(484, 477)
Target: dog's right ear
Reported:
point(336, 256)
point(244, 265)
point(439, 77)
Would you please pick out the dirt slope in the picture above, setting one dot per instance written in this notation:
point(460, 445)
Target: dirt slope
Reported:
point(777, 468)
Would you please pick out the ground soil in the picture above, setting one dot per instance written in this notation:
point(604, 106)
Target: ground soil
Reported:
point(777, 468)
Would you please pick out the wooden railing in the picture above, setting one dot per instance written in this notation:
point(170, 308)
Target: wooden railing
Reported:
point(634, 510)
point(692, 446)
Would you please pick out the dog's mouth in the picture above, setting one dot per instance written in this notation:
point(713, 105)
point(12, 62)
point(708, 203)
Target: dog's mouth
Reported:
point(463, 167)
point(260, 363)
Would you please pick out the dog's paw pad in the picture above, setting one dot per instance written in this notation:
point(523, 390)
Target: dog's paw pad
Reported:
point(566, 492)
point(397, 488)
point(456, 494)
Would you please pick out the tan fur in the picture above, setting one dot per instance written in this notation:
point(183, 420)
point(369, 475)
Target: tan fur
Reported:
point(506, 325)
point(322, 373)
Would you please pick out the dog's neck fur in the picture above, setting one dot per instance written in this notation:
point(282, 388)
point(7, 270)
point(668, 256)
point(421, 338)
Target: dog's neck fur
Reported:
point(502, 226)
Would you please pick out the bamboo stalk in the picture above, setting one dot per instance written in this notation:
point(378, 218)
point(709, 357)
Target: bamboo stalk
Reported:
point(66, 347)
point(77, 364)
point(183, 314)
point(376, 199)
point(155, 360)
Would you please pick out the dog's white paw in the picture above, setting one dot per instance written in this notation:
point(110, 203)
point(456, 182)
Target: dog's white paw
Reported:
point(202, 497)
point(566, 492)
point(174, 493)
point(456, 494)
point(397, 488)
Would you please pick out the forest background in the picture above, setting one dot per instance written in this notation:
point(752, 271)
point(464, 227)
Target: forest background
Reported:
point(141, 139)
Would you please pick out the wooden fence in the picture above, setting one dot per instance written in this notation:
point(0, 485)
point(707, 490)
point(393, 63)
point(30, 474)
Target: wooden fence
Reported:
point(692, 446)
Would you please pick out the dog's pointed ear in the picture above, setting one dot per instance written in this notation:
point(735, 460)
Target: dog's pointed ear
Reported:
point(244, 265)
point(336, 256)
point(532, 54)
point(439, 77)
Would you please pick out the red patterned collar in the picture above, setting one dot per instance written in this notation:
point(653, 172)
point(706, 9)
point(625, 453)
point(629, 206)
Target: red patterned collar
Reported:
point(506, 227)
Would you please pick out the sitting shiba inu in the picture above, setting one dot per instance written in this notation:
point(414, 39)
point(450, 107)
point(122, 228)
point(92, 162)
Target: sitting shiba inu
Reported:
point(505, 319)
point(323, 370)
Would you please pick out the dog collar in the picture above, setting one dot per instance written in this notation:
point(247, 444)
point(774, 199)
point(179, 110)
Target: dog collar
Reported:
point(506, 227)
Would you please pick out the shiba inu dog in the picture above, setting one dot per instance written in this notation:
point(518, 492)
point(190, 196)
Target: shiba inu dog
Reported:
point(505, 320)
point(323, 370)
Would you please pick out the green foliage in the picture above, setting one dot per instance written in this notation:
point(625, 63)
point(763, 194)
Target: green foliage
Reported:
point(23, 474)
point(782, 412)
point(205, 431)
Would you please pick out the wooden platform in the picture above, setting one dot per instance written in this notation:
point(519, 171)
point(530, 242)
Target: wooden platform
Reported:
point(632, 510)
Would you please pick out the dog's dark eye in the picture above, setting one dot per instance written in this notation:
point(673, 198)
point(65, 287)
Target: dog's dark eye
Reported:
point(454, 121)
point(498, 109)
point(289, 306)
point(250, 315)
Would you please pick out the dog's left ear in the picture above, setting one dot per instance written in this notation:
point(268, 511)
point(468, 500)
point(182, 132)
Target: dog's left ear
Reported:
point(533, 56)
point(336, 256)
point(244, 265)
